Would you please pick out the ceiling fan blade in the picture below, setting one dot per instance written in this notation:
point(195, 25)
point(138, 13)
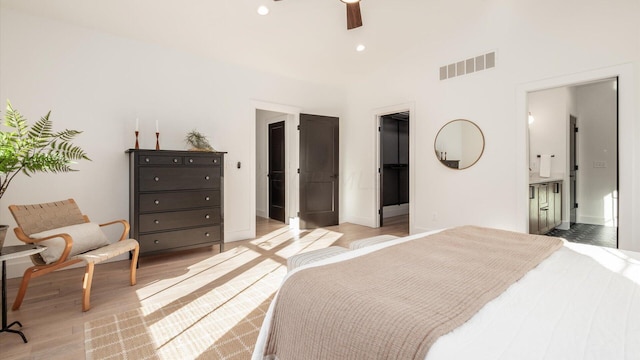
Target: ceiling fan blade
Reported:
point(354, 18)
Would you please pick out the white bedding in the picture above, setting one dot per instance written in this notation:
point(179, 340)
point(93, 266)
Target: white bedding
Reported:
point(583, 302)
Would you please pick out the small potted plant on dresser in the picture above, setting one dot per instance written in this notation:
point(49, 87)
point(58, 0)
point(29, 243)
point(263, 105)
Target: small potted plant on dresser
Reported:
point(198, 141)
point(30, 149)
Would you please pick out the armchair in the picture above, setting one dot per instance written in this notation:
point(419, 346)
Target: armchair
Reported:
point(47, 223)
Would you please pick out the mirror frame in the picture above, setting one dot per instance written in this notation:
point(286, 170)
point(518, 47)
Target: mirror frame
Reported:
point(481, 150)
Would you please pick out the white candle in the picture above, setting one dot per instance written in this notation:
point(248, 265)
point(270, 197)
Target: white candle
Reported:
point(137, 123)
point(157, 128)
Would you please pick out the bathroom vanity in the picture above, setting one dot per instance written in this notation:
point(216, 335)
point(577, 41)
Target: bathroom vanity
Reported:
point(545, 204)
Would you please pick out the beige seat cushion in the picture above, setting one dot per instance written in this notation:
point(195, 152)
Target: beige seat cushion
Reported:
point(107, 252)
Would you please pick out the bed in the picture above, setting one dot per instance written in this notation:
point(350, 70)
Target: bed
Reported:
point(580, 302)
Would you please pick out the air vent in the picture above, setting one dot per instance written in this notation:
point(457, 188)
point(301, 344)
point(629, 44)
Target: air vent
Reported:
point(468, 66)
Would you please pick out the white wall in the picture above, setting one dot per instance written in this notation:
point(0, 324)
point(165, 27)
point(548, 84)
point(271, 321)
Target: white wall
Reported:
point(596, 112)
point(101, 83)
point(534, 41)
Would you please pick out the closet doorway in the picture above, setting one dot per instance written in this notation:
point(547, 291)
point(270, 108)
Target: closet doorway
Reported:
point(393, 169)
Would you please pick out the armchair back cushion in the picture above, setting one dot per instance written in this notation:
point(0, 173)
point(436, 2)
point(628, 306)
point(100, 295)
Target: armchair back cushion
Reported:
point(86, 237)
point(40, 217)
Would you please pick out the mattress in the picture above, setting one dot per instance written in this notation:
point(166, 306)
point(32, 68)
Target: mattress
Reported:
point(583, 302)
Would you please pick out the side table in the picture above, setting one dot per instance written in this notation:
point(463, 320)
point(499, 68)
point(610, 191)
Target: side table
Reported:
point(7, 253)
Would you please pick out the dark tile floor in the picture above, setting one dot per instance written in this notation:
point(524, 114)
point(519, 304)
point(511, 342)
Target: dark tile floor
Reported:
point(588, 234)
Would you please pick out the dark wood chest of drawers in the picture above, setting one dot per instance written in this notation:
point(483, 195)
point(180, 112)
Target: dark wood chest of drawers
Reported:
point(176, 199)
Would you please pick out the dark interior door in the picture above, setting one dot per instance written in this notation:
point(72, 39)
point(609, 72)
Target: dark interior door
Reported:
point(276, 171)
point(319, 170)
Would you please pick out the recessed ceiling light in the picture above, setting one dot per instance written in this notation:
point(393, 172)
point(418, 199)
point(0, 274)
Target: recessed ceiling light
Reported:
point(360, 48)
point(263, 10)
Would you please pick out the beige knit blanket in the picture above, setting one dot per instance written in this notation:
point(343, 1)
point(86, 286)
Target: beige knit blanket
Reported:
point(394, 303)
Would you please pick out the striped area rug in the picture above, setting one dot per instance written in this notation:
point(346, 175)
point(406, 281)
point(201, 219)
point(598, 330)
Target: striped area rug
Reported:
point(220, 324)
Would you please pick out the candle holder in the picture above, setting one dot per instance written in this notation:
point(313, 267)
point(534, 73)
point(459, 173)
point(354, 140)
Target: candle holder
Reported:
point(137, 145)
point(157, 140)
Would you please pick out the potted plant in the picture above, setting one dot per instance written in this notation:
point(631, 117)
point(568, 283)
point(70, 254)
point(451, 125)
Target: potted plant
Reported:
point(30, 149)
point(198, 141)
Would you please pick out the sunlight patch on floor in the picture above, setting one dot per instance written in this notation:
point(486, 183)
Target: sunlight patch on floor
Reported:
point(276, 238)
point(221, 301)
point(211, 317)
point(214, 268)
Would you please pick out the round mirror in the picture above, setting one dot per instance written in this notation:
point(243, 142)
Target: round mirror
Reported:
point(459, 144)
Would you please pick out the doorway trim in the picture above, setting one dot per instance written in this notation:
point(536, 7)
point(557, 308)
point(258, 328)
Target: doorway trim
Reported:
point(377, 114)
point(292, 144)
point(629, 190)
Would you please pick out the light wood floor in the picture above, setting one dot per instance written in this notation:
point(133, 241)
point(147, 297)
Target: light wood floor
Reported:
point(51, 312)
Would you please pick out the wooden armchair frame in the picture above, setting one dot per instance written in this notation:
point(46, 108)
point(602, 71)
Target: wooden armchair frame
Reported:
point(36, 218)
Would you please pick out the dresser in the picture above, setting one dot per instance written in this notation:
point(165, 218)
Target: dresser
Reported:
point(176, 199)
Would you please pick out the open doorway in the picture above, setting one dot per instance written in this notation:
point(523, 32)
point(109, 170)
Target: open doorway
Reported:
point(302, 178)
point(393, 168)
point(276, 161)
point(573, 140)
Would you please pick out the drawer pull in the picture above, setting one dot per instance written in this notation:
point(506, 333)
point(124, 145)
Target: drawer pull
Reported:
point(156, 178)
point(207, 234)
point(175, 160)
point(206, 198)
point(147, 159)
point(156, 241)
point(156, 202)
point(215, 161)
point(156, 221)
point(207, 177)
point(190, 160)
point(207, 216)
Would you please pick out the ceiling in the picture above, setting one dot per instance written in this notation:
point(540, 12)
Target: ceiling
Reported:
point(302, 39)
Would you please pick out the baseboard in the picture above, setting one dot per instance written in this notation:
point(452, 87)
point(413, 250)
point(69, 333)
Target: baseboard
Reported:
point(592, 220)
point(565, 225)
point(420, 229)
point(360, 221)
point(395, 210)
point(16, 267)
point(231, 236)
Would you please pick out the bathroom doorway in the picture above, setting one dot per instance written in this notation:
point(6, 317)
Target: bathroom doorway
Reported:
point(578, 126)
